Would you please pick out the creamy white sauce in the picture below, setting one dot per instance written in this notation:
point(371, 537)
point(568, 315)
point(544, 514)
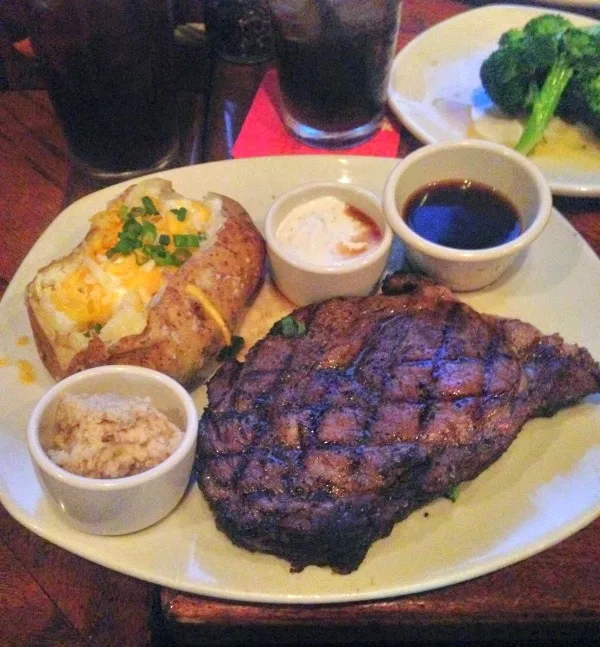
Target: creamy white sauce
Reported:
point(326, 231)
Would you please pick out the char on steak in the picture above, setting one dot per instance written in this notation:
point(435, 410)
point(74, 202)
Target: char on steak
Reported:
point(317, 444)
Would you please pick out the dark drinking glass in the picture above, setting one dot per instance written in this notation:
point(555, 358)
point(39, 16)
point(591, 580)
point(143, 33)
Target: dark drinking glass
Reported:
point(109, 71)
point(334, 58)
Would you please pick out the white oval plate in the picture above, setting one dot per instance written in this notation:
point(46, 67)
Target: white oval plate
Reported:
point(584, 4)
point(434, 82)
point(542, 490)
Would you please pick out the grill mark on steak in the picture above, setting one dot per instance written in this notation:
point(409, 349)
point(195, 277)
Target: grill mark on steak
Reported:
point(317, 445)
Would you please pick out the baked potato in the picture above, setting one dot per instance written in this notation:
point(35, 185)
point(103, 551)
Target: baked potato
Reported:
point(159, 281)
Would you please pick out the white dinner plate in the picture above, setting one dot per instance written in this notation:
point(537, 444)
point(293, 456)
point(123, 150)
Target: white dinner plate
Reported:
point(542, 490)
point(434, 87)
point(584, 4)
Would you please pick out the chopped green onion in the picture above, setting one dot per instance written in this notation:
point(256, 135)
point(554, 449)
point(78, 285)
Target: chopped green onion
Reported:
point(289, 327)
point(229, 352)
point(128, 236)
point(124, 246)
point(452, 493)
point(131, 238)
point(163, 260)
point(182, 254)
point(148, 232)
point(132, 226)
point(171, 259)
point(161, 256)
point(93, 330)
point(141, 237)
point(180, 213)
point(187, 240)
point(149, 208)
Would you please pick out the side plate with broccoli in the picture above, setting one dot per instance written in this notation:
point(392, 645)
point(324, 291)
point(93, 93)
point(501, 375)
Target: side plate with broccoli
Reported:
point(437, 91)
point(549, 67)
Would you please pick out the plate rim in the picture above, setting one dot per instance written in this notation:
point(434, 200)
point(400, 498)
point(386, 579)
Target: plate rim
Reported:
point(582, 4)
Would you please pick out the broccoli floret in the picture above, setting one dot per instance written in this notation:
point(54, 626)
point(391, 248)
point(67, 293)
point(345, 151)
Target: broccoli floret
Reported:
point(513, 74)
point(534, 68)
point(547, 25)
point(583, 47)
point(591, 94)
point(509, 80)
point(511, 37)
point(581, 101)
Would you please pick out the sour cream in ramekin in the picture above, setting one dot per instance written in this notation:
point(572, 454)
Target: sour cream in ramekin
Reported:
point(325, 240)
point(328, 231)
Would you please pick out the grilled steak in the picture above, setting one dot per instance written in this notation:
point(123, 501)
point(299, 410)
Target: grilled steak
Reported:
point(319, 443)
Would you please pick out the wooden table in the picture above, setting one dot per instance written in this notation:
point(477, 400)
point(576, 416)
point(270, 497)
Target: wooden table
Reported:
point(49, 597)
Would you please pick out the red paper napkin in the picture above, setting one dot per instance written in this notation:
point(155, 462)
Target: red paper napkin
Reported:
point(263, 132)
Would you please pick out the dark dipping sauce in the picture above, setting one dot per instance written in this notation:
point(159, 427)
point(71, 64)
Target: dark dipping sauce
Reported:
point(462, 214)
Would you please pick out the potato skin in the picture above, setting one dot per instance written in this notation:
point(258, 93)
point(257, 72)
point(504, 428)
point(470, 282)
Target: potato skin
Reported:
point(180, 339)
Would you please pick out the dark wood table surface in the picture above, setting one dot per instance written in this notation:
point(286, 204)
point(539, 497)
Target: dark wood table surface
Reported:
point(49, 597)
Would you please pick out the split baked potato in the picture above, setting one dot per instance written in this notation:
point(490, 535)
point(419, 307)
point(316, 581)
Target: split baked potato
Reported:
point(159, 281)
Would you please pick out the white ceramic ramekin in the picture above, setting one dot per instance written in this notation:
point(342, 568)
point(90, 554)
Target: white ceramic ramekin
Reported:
point(305, 282)
point(121, 505)
point(508, 172)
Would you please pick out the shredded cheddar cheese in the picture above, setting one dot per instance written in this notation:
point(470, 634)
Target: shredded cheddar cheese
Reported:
point(83, 299)
point(197, 295)
point(145, 280)
point(26, 372)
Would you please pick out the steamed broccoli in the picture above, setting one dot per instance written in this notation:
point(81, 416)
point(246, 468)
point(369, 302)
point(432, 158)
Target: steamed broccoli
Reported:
point(589, 88)
point(548, 67)
point(581, 100)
